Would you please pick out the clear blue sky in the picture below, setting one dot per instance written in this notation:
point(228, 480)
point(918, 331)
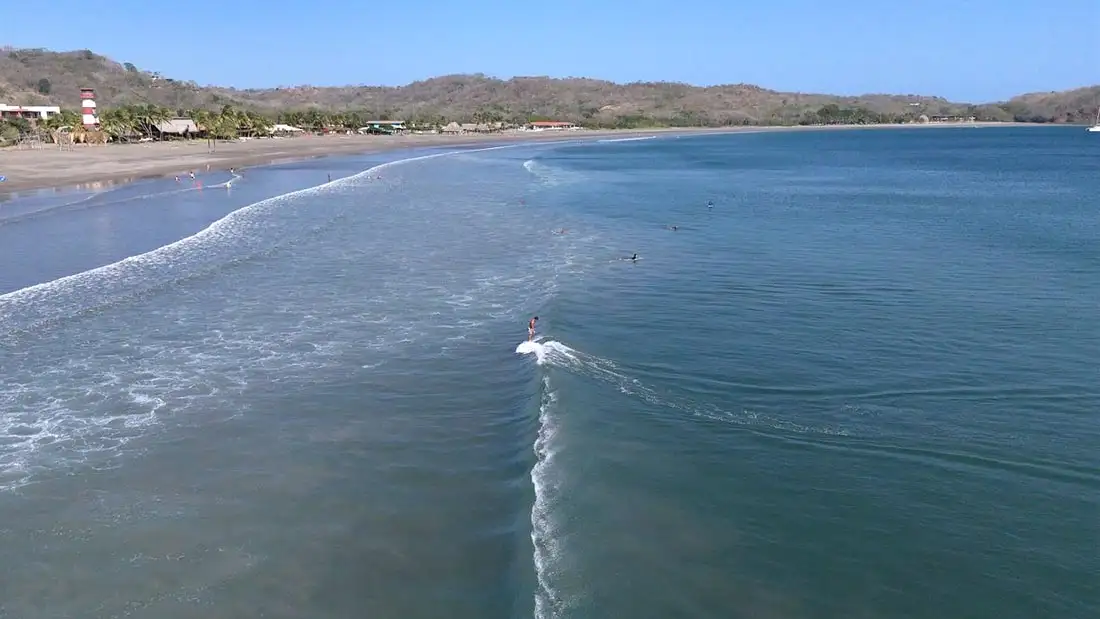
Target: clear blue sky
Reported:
point(976, 50)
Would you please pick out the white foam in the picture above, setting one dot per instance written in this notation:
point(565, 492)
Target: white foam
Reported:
point(526, 348)
point(611, 140)
point(110, 392)
point(40, 302)
point(557, 354)
point(546, 481)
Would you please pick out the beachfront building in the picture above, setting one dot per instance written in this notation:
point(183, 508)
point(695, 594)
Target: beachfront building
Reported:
point(383, 126)
point(29, 112)
point(282, 130)
point(953, 119)
point(550, 125)
point(177, 127)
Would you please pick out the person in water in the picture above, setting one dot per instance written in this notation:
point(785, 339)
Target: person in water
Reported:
point(531, 328)
point(634, 258)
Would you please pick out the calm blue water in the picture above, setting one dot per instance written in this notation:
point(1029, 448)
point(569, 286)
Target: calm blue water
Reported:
point(862, 384)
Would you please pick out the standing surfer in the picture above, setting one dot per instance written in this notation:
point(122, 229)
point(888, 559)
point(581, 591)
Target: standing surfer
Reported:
point(531, 328)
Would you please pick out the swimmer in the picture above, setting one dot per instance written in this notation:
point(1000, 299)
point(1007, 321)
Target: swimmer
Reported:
point(673, 227)
point(633, 258)
point(560, 231)
point(710, 203)
point(531, 328)
point(192, 174)
point(177, 179)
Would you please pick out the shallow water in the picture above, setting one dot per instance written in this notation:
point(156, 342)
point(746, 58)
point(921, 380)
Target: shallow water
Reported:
point(861, 383)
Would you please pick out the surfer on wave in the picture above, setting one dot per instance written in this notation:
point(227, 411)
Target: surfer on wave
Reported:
point(531, 328)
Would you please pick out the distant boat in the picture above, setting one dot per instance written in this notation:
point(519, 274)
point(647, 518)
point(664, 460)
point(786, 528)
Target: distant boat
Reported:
point(1096, 126)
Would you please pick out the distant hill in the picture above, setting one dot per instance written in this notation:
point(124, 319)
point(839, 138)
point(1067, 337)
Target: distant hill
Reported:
point(1067, 106)
point(35, 76)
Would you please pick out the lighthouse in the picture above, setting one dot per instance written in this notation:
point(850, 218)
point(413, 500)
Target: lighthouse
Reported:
point(87, 108)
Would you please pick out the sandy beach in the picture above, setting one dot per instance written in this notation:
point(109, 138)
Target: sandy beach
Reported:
point(28, 169)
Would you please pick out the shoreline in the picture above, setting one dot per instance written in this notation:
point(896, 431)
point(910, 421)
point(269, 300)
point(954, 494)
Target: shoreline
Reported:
point(31, 171)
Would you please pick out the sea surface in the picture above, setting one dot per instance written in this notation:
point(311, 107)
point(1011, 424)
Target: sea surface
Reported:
point(859, 379)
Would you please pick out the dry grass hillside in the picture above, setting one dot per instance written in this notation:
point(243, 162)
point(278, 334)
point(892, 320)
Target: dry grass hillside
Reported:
point(30, 76)
point(1067, 106)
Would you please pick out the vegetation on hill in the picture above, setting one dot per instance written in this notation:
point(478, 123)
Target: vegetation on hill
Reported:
point(33, 76)
point(1067, 106)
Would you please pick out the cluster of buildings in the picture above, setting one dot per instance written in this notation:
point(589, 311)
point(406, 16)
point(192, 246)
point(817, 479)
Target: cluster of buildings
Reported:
point(90, 119)
point(453, 128)
point(42, 112)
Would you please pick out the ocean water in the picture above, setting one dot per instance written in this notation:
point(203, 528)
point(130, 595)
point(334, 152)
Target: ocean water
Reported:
point(861, 382)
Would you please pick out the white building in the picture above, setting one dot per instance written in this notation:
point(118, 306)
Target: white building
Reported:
point(36, 112)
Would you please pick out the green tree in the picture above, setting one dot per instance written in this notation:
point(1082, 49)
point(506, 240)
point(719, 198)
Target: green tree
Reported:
point(118, 122)
point(146, 118)
point(44, 86)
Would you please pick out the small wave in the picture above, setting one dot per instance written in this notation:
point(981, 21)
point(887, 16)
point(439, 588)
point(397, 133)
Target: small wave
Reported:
point(557, 354)
point(544, 535)
point(547, 175)
point(612, 140)
point(102, 394)
point(90, 201)
point(28, 308)
point(20, 214)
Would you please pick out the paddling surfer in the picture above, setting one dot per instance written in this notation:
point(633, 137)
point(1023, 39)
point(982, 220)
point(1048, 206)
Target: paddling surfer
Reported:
point(531, 328)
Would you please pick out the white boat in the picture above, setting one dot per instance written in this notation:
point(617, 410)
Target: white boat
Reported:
point(1096, 125)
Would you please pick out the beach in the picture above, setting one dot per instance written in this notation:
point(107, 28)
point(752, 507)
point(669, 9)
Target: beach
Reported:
point(27, 169)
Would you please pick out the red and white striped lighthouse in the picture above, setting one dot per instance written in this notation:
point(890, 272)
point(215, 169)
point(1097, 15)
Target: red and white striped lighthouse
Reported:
point(87, 108)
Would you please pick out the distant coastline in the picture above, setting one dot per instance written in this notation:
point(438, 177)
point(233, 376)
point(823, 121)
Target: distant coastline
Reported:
point(49, 167)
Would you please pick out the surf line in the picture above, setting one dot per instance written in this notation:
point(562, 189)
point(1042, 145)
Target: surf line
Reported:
point(12, 303)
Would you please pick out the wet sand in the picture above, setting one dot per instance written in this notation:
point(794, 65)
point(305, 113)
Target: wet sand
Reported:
point(50, 167)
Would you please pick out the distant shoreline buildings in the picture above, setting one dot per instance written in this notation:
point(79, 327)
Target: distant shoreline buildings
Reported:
point(29, 112)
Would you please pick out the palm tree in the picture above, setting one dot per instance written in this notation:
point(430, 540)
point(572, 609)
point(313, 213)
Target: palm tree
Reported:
point(259, 123)
point(118, 123)
point(53, 124)
point(208, 124)
point(148, 117)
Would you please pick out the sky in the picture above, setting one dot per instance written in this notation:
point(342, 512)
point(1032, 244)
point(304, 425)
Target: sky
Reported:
point(964, 50)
